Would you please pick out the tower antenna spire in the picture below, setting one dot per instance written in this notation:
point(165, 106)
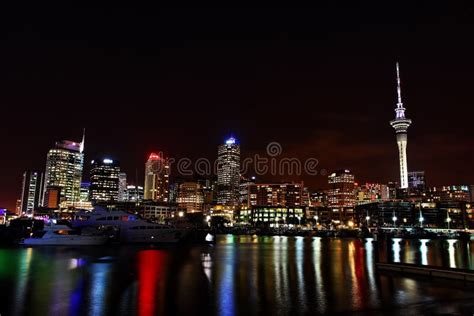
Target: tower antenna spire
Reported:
point(399, 89)
point(401, 124)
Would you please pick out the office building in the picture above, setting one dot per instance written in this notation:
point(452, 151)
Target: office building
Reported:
point(190, 197)
point(448, 193)
point(134, 193)
point(371, 192)
point(32, 191)
point(341, 192)
point(228, 173)
point(104, 179)
point(275, 194)
point(245, 184)
point(157, 173)
point(64, 164)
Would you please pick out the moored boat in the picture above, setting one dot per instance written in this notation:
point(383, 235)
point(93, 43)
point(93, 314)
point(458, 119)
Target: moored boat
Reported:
point(62, 235)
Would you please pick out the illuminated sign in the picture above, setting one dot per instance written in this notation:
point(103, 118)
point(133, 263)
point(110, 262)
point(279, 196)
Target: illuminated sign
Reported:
point(107, 161)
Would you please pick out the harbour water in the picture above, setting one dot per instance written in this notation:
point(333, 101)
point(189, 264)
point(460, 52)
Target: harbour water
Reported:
point(238, 275)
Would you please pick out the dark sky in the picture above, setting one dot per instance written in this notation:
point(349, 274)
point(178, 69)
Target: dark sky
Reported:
point(320, 81)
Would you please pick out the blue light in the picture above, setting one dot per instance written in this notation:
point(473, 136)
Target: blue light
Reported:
point(107, 161)
point(230, 141)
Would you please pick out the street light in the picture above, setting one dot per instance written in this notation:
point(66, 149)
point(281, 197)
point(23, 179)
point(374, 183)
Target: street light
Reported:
point(394, 219)
point(448, 219)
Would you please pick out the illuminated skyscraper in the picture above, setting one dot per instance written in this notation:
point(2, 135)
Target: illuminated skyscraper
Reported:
point(341, 193)
point(157, 178)
point(401, 124)
point(228, 173)
point(104, 177)
point(64, 165)
point(32, 191)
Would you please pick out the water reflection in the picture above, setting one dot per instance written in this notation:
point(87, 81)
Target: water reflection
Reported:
point(22, 280)
point(424, 251)
point(100, 273)
point(396, 249)
point(451, 250)
point(239, 275)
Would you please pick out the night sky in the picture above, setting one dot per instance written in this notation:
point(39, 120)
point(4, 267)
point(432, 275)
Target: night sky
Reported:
point(319, 81)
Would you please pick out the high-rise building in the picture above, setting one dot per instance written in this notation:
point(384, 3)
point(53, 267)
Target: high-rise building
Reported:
point(245, 184)
point(341, 192)
point(416, 180)
point(64, 165)
point(157, 173)
point(104, 178)
point(228, 173)
point(32, 191)
point(401, 124)
point(190, 197)
point(122, 190)
point(134, 193)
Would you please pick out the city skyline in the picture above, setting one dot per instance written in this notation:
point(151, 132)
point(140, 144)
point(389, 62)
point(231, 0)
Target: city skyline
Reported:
point(321, 92)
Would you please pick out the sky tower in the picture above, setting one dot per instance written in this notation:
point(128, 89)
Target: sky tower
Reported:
point(401, 124)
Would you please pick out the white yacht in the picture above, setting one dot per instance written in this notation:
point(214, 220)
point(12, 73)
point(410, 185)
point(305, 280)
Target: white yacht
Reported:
point(62, 235)
point(131, 228)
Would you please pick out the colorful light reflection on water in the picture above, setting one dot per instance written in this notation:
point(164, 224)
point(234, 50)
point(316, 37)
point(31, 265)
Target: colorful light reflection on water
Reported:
point(239, 275)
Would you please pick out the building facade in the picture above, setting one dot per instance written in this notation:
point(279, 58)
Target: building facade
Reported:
point(104, 179)
point(157, 173)
point(190, 197)
point(371, 192)
point(32, 191)
point(52, 197)
point(64, 165)
point(272, 216)
point(228, 173)
point(341, 193)
point(134, 193)
point(275, 194)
